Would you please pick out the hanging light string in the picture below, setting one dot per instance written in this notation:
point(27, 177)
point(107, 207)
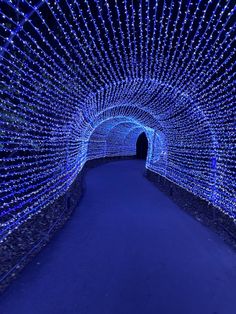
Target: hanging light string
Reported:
point(82, 80)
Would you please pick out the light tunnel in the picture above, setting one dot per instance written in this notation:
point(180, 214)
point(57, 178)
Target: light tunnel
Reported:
point(83, 79)
point(114, 137)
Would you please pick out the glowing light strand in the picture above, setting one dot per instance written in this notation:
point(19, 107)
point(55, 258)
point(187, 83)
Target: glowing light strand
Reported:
point(82, 80)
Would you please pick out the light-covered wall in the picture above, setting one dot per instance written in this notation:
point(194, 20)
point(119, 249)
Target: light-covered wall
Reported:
point(82, 79)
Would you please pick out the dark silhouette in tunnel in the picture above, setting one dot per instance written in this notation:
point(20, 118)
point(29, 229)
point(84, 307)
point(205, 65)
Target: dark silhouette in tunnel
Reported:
point(142, 146)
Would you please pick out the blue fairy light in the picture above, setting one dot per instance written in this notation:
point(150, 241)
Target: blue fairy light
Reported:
point(83, 79)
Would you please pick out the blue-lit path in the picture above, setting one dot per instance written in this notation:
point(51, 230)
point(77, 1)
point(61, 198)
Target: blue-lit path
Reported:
point(127, 249)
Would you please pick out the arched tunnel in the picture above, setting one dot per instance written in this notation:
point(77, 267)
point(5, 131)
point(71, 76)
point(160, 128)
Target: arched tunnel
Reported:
point(99, 80)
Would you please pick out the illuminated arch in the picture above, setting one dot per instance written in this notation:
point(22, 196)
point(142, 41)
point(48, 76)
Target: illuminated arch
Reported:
point(69, 66)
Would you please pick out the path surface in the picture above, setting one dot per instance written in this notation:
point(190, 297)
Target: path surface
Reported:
point(127, 250)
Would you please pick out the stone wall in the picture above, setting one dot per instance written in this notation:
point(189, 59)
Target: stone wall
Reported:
point(200, 209)
point(25, 242)
point(18, 249)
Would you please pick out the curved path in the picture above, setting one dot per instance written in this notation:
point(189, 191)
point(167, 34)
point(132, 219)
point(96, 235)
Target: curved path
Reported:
point(127, 250)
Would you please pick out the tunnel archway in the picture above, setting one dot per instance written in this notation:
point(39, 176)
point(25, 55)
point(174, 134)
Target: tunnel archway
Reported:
point(142, 146)
point(53, 96)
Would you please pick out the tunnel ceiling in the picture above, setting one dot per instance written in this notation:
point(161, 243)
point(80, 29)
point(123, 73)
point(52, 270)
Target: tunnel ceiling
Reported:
point(82, 79)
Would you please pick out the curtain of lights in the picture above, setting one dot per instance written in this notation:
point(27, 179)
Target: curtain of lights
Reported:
point(82, 79)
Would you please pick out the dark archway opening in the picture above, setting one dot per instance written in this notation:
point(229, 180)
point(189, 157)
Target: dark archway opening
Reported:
point(142, 146)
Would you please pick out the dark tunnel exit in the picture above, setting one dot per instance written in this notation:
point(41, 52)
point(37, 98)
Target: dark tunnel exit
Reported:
point(142, 146)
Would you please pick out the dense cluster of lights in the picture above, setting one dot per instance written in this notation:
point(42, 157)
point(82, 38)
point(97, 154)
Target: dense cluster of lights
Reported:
point(82, 80)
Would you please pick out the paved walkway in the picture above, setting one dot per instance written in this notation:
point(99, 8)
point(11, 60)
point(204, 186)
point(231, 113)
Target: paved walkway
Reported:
point(127, 250)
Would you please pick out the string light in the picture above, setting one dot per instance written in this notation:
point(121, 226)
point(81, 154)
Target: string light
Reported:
point(82, 79)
